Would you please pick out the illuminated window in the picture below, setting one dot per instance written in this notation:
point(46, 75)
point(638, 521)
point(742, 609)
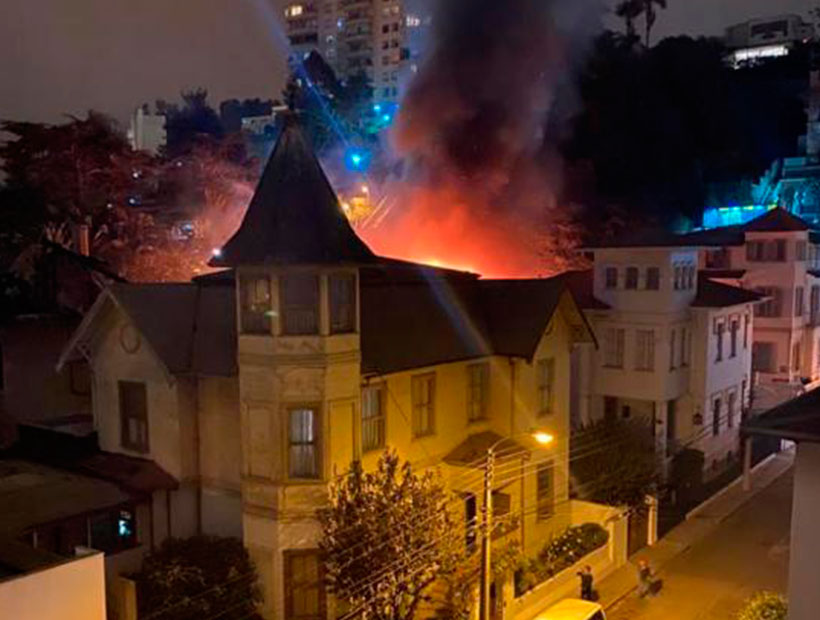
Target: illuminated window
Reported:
point(373, 418)
point(303, 443)
point(294, 10)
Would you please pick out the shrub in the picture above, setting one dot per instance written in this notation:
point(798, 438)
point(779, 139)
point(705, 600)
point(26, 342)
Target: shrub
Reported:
point(198, 577)
point(764, 606)
point(560, 553)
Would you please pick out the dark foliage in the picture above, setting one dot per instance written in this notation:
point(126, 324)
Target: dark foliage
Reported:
point(197, 578)
point(625, 472)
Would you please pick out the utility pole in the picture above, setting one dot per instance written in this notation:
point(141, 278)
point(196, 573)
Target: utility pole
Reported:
point(486, 537)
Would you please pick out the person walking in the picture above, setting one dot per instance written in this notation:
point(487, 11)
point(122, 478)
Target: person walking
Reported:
point(587, 583)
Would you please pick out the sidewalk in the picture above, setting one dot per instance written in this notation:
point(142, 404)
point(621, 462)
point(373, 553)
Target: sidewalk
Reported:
point(698, 524)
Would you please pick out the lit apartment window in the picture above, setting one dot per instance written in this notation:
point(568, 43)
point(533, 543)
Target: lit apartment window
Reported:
point(631, 278)
point(303, 443)
point(294, 10)
point(734, 327)
point(611, 277)
point(544, 491)
point(423, 396)
point(653, 278)
point(478, 376)
point(256, 304)
point(644, 350)
point(720, 328)
point(342, 289)
point(133, 416)
point(614, 347)
point(546, 386)
point(299, 296)
point(304, 585)
point(373, 418)
point(716, 410)
point(798, 301)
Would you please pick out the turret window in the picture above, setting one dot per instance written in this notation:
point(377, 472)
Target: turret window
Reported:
point(300, 304)
point(342, 303)
point(256, 304)
point(303, 443)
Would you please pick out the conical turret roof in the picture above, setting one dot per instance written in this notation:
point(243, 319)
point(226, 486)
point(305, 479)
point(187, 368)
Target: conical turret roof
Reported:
point(294, 216)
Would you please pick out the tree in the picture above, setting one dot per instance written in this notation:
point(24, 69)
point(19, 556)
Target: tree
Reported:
point(184, 125)
point(764, 606)
point(196, 578)
point(629, 11)
point(650, 15)
point(614, 462)
point(386, 537)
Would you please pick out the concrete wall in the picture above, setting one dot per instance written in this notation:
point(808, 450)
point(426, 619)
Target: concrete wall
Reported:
point(73, 590)
point(804, 595)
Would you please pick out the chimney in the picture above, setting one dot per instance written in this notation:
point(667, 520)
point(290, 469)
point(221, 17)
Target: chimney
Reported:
point(83, 242)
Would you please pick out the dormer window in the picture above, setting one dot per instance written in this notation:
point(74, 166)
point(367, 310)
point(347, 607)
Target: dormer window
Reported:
point(255, 295)
point(299, 297)
point(342, 303)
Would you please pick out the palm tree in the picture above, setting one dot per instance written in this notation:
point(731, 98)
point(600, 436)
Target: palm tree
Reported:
point(650, 15)
point(629, 11)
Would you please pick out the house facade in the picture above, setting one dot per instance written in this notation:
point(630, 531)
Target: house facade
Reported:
point(676, 348)
point(255, 387)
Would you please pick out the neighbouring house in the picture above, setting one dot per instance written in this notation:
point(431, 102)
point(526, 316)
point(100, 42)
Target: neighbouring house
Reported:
point(675, 347)
point(799, 421)
point(38, 585)
point(255, 386)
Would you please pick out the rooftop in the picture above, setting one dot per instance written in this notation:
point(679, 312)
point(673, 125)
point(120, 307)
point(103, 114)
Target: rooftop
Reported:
point(796, 420)
point(712, 294)
point(294, 215)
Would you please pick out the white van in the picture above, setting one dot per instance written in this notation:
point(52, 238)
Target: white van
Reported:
point(573, 609)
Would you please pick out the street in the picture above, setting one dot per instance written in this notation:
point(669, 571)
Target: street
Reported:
point(748, 552)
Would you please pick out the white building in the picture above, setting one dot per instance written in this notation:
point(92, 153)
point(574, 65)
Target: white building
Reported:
point(354, 37)
point(767, 37)
point(147, 131)
point(775, 254)
point(799, 421)
point(675, 347)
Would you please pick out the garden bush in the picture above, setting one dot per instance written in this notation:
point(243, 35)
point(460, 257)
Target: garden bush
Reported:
point(560, 553)
point(764, 606)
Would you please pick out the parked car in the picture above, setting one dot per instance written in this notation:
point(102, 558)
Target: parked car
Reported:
point(573, 609)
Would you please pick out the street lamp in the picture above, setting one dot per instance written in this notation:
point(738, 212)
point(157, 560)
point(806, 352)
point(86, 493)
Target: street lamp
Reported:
point(544, 439)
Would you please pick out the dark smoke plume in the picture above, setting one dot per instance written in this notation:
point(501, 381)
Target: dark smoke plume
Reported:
point(472, 129)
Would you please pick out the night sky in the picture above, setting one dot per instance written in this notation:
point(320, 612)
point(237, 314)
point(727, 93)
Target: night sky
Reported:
point(66, 56)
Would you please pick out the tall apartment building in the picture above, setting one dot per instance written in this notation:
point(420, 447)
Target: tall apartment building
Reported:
point(354, 37)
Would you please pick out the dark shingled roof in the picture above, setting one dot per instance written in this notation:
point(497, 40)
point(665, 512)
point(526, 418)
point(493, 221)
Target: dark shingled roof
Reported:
point(713, 294)
point(796, 420)
point(581, 284)
point(413, 324)
point(294, 216)
point(776, 220)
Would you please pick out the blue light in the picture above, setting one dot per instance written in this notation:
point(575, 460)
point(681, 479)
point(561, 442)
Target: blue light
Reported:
point(357, 159)
point(717, 217)
point(386, 118)
point(377, 107)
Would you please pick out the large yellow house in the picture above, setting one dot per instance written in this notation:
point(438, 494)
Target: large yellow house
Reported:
point(257, 385)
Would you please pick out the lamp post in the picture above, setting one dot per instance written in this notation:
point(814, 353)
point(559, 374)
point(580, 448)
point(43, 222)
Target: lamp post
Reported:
point(487, 520)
